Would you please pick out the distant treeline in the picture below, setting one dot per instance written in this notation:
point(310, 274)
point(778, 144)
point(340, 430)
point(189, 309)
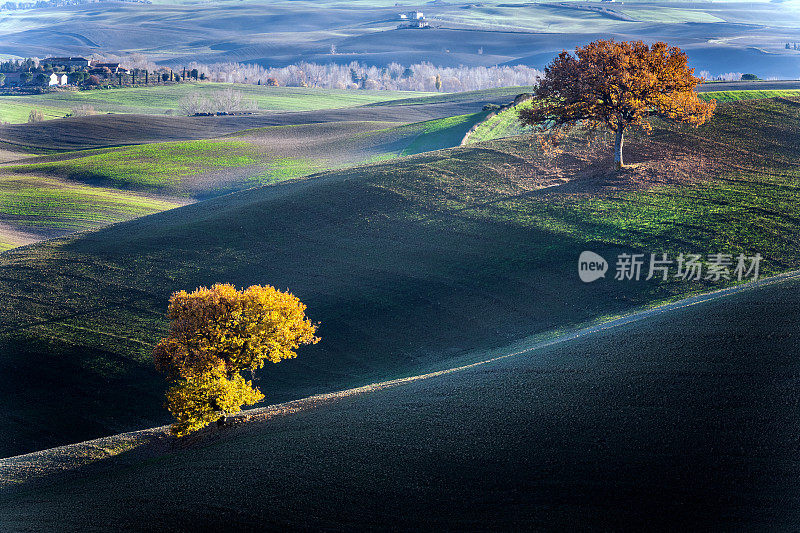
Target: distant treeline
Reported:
point(137, 69)
point(416, 77)
point(730, 76)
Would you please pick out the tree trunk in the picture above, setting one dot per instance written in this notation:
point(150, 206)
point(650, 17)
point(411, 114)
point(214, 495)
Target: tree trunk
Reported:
point(618, 161)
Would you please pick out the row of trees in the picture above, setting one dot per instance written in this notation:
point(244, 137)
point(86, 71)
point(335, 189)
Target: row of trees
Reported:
point(354, 75)
point(20, 65)
point(416, 77)
point(730, 76)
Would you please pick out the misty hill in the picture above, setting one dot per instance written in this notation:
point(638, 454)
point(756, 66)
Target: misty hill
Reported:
point(720, 36)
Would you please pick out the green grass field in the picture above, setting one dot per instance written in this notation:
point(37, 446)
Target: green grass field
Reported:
point(393, 259)
point(192, 170)
point(163, 99)
point(156, 166)
point(262, 156)
point(503, 124)
point(17, 112)
point(446, 132)
point(41, 207)
point(733, 96)
point(506, 123)
point(166, 99)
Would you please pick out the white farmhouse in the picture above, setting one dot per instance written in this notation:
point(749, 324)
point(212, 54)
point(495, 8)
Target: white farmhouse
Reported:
point(413, 19)
point(57, 79)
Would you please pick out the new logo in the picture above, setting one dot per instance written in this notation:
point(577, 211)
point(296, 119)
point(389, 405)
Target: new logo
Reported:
point(591, 267)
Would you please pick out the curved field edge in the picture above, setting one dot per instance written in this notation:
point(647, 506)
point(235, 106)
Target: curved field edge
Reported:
point(33, 194)
point(617, 406)
point(163, 166)
point(29, 467)
point(34, 208)
point(393, 259)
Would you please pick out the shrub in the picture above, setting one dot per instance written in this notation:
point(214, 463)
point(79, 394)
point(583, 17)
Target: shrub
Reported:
point(35, 116)
point(83, 110)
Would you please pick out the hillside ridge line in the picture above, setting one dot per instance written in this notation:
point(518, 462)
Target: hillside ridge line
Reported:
point(17, 470)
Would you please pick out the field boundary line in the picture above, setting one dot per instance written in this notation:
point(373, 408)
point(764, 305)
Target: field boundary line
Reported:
point(41, 463)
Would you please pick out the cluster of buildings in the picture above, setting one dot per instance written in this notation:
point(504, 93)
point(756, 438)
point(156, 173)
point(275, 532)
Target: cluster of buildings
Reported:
point(413, 19)
point(81, 64)
point(55, 71)
point(58, 71)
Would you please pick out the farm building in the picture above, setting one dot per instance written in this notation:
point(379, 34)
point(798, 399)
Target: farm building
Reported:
point(66, 62)
point(413, 19)
point(57, 79)
point(12, 79)
point(101, 67)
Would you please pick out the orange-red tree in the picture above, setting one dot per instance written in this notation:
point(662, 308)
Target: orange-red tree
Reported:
point(214, 335)
point(617, 85)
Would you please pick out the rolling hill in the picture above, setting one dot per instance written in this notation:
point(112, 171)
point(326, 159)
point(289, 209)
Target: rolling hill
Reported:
point(38, 197)
point(409, 265)
point(160, 100)
point(506, 122)
point(169, 161)
point(122, 182)
point(77, 133)
point(683, 419)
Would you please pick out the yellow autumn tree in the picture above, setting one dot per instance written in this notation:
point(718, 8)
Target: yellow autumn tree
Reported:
point(217, 333)
point(617, 85)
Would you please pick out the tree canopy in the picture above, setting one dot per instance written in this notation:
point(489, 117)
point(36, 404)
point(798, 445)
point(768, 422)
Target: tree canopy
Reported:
point(214, 335)
point(617, 85)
